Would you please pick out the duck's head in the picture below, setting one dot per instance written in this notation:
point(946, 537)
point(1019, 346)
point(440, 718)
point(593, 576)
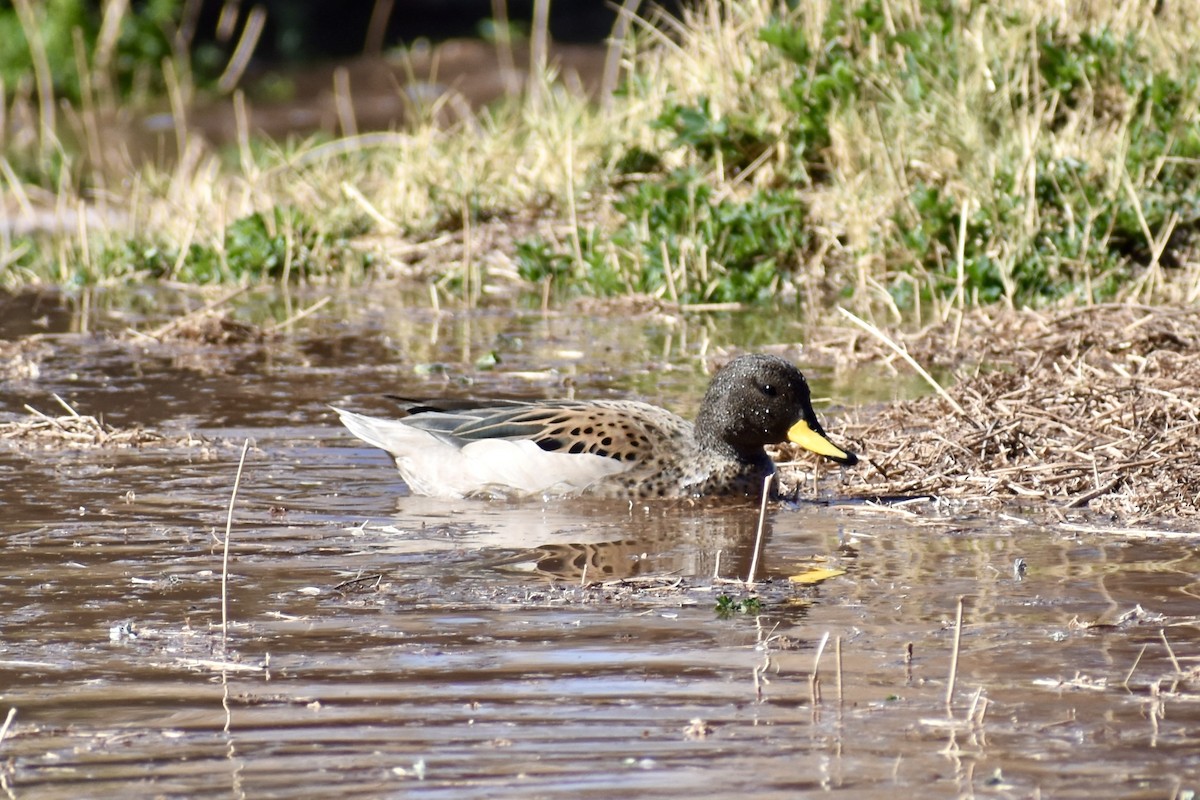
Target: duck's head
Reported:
point(756, 400)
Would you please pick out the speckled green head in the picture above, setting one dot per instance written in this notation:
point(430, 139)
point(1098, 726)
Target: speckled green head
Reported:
point(757, 400)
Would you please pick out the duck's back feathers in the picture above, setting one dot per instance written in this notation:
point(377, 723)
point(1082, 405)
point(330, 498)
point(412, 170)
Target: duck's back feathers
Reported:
point(618, 429)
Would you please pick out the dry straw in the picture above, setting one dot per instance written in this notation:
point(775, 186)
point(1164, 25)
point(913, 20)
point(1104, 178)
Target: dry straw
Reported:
point(71, 430)
point(1095, 407)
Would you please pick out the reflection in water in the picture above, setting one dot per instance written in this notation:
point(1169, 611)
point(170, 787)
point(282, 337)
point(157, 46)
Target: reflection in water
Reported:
point(562, 538)
point(713, 540)
point(582, 562)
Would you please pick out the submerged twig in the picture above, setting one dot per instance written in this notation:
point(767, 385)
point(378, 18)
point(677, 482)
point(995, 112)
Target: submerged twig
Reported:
point(762, 524)
point(237, 482)
point(958, 618)
point(376, 576)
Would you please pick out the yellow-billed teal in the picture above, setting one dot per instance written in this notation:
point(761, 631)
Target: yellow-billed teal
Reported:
point(612, 448)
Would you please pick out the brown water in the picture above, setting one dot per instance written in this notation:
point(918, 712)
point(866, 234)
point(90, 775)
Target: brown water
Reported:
point(381, 645)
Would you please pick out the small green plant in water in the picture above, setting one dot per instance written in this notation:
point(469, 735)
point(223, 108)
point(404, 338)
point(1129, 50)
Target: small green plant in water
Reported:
point(726, 606)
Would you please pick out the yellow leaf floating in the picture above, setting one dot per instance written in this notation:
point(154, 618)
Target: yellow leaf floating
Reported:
point(816, 575)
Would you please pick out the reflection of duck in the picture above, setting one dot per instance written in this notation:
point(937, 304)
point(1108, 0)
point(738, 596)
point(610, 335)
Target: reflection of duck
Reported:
point(596, 561)
point(614, 448)
point(617, 542)
point(569, 538)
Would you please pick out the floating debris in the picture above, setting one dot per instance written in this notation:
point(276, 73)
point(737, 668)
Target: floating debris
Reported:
point(79, 431)
point(210, 327)
point(20, 360)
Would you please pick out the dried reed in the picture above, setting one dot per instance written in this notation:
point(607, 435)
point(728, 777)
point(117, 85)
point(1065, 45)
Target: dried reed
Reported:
point(1095, 407)
point(71, 430)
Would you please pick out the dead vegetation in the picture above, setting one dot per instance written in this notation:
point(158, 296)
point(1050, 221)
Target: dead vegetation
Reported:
point(20, 360)
point(211, 324)
point(73, 431)
point(212, 327)
point(1096, 407)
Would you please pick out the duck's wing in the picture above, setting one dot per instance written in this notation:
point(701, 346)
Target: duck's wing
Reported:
point(409, 406)
point(512, 420)
point(556, 446)
point(623, 430)
point(464, 420)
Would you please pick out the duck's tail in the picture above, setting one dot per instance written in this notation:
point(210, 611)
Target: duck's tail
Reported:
point(374, 431)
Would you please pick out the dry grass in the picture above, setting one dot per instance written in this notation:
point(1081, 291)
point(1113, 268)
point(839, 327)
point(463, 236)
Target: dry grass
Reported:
point(986, 132)
point(75, 431)
point(1095, 408)
point(447, 201)
point(71, 431)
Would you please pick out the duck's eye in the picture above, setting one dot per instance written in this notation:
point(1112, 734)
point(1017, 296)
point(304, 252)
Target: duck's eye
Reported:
point(768, 389)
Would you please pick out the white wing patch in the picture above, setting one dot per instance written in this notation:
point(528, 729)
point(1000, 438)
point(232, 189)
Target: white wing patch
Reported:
point(433, 467)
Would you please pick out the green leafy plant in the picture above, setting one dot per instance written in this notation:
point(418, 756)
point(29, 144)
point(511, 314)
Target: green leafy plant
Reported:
point(680, 240)
point(727, 606)
point(281, 243)
point(826, 77)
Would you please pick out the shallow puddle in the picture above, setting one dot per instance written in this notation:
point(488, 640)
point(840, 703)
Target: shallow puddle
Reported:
point(379, 644)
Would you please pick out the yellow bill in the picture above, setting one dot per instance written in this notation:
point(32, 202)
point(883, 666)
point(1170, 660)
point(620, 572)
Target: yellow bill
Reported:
point(802, 434)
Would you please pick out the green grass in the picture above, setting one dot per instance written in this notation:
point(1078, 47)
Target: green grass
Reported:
point(273, 245)
point(720, 249)
point(957, 153)
point(915, 156)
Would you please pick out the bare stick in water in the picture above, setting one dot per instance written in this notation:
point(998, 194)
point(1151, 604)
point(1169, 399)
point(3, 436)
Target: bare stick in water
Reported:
point(1136, 661)
point(837, 649)
point(12, 712)
point(762, 519)
point(237, 481)
point(1162, 634)
point(958, 617)
point(814, 680)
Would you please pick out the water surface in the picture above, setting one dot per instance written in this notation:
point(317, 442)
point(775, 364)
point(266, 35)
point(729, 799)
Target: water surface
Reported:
point(378, 644)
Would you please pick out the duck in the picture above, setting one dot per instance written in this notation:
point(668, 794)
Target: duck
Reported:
point(606, 448)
